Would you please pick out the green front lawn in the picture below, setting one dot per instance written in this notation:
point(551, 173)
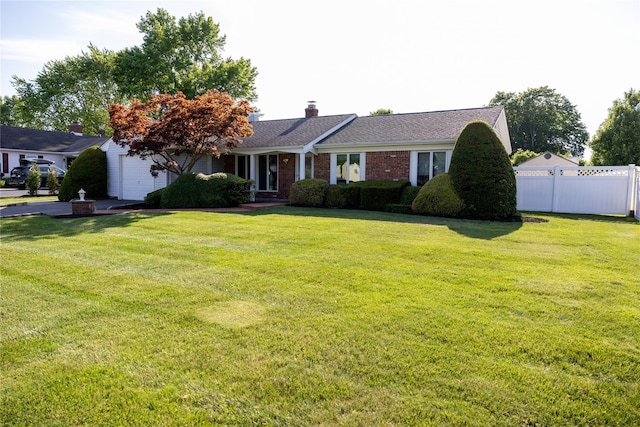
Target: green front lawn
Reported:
point(293, 316)
point(5, 201)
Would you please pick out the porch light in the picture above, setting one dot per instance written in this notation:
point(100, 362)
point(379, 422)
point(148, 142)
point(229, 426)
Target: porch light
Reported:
point(285, 160)
point(81, 193)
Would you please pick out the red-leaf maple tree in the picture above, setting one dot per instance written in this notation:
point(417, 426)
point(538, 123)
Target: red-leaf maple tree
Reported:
point(176, 132)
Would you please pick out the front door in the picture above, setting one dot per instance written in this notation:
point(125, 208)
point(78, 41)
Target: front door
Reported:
point(267, 175)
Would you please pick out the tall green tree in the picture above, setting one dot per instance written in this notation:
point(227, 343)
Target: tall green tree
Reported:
point(541, 119)
point(617, 140)
point(10, 111)
point(77, 88)
point(175, 56)
point(182, 56)
point(381, 112)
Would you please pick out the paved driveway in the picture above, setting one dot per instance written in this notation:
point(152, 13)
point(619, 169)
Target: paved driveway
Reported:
point(49, 208)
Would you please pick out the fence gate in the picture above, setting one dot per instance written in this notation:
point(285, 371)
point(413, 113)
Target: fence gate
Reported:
point(578, 189)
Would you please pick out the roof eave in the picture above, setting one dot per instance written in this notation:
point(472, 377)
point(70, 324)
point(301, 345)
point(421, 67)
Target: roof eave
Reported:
point(390, 145)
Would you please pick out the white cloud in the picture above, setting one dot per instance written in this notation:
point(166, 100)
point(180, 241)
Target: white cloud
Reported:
point(38, 51)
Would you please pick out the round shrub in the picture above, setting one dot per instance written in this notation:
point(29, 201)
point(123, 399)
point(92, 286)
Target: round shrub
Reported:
point(308, 192)
point(482, 174)
point(89, 172)
point(438, 198)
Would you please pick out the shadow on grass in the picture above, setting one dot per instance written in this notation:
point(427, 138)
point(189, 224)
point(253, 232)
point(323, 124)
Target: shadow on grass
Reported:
point(43, 227)
point(588, 217)
point(486, 230)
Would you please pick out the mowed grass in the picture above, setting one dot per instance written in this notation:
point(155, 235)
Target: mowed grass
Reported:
point(9, 200)
point(292, 316)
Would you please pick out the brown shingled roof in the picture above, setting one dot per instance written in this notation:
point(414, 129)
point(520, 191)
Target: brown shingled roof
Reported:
point(411, 127)
point(291, 132)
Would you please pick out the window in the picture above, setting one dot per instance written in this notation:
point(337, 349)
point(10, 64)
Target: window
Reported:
point(242, 166)
point(268, 172)
point(308, 166)
point(347, 168)
point(431, 164)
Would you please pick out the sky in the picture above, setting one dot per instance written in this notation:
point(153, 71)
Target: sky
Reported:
point(353, 56)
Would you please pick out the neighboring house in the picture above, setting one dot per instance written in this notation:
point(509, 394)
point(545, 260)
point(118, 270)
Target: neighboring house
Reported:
point(548, 159)
point(18, 143)
point(340, 149)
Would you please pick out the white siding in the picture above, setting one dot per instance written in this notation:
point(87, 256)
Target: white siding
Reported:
point(129, 177)
point(14, 158)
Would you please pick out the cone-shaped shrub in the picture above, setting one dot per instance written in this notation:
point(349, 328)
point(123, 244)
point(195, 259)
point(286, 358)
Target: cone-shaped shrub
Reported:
point(482, 175)
point(89, 172)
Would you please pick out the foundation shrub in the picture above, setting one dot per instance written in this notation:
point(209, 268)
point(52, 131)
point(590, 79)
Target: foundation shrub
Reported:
point(152, 200)
point(351, 194)
point(409, 194)
point(308, 192)
point(438, 198)
point(376, 195)
point(407, 197)
point(335, 196)
point(219, 190)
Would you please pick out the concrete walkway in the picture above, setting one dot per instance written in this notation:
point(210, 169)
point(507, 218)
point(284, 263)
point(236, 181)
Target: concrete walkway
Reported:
point(109, 206)
point(56, 208)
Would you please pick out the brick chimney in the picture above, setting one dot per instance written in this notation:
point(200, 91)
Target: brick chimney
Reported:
point(75, 128)
point(311, 110)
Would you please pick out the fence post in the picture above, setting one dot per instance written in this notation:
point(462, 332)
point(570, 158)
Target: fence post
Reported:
point(556, 178)
point(631, 190)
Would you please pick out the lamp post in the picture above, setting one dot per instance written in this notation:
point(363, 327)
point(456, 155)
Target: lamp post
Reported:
point(81, 193)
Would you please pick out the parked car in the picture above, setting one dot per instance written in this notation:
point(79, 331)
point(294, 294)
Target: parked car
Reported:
point(18, 175)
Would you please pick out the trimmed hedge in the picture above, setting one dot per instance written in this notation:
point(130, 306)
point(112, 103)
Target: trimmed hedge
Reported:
point(89, 172)
point(369, 195)
point(409, 194)
point(438, 198)
point(376, 195)
point(336, 198)
point(482, 174)
point(189, 190)
point(308, 192)
point(407, 197)
point(152, 200)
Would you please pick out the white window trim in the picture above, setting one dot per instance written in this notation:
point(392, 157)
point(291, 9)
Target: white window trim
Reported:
point(413, 163)
point(333, 179)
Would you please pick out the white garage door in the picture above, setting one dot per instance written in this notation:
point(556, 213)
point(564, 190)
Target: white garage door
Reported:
point(136, 182)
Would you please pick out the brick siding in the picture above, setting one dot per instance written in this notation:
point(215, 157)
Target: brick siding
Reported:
point(287, 174)
point(387, 166)
point(322, 166)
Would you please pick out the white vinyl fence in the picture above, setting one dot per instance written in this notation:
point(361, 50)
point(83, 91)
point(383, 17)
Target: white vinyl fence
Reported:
point(579, 189)
point(637, 212)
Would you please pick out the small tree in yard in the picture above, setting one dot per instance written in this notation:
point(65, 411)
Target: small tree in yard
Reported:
point(482, 175)
point(33, 179)
point(52, 181)
point(176, 132)
point(87, 172)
